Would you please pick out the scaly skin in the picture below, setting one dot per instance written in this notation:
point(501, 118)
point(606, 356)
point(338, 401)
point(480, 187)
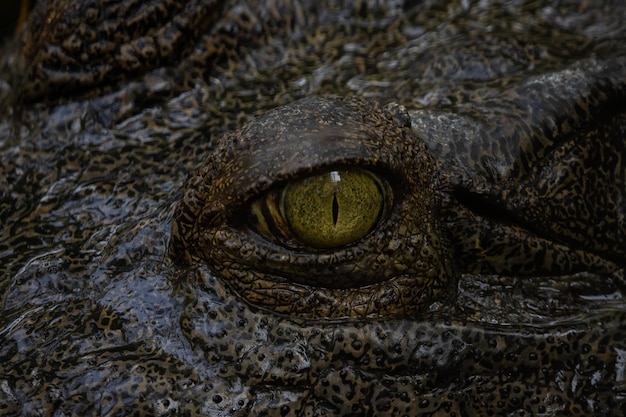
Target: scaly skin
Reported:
point(491, 286)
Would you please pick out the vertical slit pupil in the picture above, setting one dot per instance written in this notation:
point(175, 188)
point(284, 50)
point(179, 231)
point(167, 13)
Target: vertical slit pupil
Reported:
point(335, 209)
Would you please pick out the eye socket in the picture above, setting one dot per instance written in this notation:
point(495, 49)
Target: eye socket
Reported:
point(323, 211)
point(236, 215)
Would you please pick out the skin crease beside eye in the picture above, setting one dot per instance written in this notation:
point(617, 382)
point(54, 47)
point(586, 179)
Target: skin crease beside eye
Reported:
point(332, 209)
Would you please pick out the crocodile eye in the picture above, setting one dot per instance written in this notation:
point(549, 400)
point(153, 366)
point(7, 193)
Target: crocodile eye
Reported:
point(323, 211)
point(324, 208)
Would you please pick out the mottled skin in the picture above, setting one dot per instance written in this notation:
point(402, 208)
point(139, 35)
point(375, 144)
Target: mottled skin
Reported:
point(496, 288)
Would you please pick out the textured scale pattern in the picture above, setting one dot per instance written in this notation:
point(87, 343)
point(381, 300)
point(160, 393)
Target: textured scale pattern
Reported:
point(134, 134)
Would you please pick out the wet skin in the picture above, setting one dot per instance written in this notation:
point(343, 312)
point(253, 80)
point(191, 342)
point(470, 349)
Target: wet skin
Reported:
point(153, 263)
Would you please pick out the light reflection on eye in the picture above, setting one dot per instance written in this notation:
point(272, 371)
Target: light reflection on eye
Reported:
point(323, 211)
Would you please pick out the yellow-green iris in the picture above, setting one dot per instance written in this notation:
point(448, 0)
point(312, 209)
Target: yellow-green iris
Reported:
point(334, 208)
